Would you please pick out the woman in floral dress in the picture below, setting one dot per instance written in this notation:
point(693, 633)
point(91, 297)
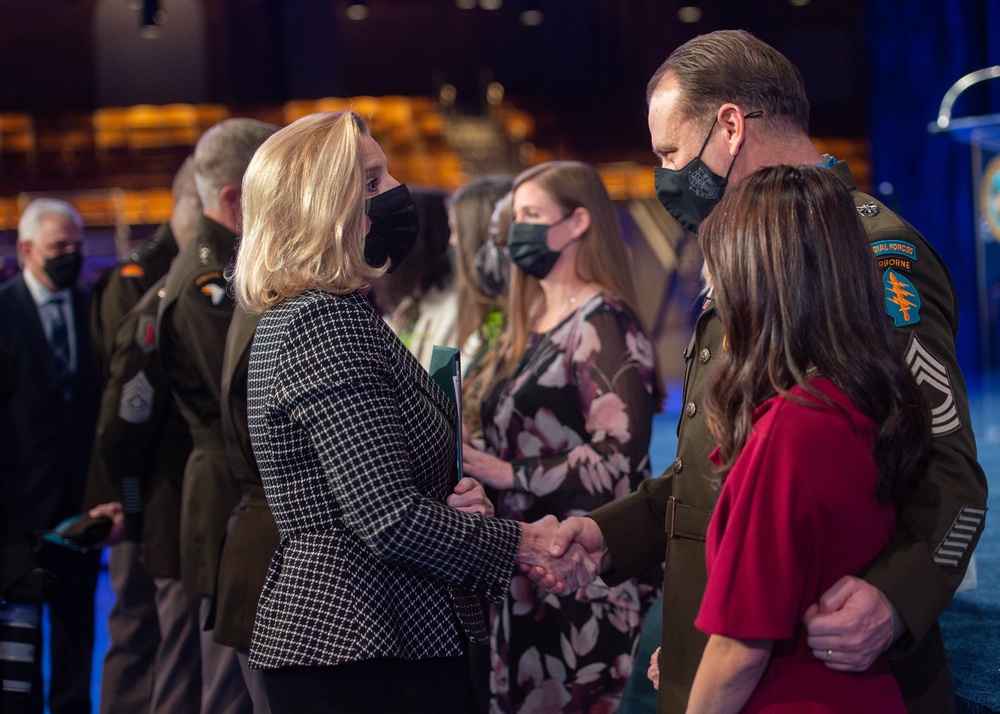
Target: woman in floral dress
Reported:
point(567, 427)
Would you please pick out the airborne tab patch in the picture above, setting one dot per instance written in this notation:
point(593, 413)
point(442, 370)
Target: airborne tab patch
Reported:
point(896, 254)
point(902, 303)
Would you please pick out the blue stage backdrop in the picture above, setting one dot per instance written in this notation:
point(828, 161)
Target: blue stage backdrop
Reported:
point(917, 51)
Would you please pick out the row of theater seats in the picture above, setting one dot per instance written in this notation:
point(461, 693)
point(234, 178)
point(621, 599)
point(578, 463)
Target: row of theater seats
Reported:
point(113, 207)
point(131, 129)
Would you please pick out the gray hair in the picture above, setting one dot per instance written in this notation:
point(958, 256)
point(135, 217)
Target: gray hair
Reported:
point(30, 224)
point(223, 154)
point(187, 204)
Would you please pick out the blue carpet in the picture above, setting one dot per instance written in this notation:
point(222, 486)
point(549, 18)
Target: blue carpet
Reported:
point(971, 625)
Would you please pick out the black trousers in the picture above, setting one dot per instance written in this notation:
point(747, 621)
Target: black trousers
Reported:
point(380, 686)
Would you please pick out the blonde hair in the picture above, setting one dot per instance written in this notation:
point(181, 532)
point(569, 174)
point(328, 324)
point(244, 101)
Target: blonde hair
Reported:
point(304, 213)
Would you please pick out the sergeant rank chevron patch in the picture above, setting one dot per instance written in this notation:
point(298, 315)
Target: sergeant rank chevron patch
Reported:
point(933, 377)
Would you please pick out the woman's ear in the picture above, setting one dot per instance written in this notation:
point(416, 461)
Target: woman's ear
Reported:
point(580, 221)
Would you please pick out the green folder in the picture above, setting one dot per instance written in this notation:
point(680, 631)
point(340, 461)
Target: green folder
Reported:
point(446, 371)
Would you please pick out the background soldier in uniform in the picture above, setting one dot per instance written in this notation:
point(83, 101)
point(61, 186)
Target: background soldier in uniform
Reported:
point(145, 642)
point(193, 321)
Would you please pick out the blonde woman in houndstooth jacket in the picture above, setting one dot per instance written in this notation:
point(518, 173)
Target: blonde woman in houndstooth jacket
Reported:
point(374, 589)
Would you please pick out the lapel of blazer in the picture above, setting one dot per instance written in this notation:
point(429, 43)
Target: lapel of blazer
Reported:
point(239, 338)
point(36, 345)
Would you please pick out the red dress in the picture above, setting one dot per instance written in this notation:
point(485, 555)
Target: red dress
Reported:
point(796, 513)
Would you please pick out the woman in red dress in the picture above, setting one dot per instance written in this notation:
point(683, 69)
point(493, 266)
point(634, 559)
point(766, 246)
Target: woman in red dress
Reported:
point(821, 429)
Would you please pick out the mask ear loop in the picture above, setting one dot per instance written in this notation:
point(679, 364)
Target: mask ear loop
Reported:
point(751, 115)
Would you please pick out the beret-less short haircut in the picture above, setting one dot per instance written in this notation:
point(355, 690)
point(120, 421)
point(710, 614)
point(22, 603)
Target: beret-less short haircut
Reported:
point(30, 223)
point(304, 213)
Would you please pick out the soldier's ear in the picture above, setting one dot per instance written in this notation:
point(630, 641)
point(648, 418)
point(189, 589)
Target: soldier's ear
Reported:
point(733, 122)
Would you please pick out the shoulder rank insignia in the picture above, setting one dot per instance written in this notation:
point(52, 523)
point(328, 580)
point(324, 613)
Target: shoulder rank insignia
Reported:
point(902, 303)
point(213, 286)
point(868, 210)
point(136, 406)
point(145, 333)
point(132, 270)
point(895, 254)
point(932, 376)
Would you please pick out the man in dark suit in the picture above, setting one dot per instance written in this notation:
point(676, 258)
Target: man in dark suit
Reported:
point(49, 427)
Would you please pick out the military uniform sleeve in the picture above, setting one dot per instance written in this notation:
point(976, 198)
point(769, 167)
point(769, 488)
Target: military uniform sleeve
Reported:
point(633, 528)
point(939, 526)
point(131, 412)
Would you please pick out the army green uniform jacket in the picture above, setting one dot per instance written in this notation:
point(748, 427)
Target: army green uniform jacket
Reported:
point(251, 535)
point(117, 292)
point(937, 529)
point(143, 440)
point(191, 334)
point(121, 286)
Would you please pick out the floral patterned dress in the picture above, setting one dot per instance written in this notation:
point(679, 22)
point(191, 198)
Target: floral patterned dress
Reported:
point(575, 420)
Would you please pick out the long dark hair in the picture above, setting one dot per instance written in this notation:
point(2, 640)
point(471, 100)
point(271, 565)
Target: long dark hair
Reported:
point(796, 285)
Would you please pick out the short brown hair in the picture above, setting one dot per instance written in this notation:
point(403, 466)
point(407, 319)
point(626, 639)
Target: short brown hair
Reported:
point(735, 66)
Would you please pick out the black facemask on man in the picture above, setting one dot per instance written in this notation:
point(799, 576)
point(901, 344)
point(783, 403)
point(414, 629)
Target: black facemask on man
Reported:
point(394, 227)
point(64, 269)
point(690, 193)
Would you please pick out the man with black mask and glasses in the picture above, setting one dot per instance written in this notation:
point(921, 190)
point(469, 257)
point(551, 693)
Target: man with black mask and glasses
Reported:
point(48, 427)
point(700, 101)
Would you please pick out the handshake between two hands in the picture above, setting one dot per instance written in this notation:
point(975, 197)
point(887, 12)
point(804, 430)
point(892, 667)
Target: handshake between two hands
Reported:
point(561, 557)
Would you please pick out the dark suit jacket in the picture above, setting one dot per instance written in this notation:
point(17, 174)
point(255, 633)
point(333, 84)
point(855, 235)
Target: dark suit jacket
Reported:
point(251, 535)
point(356, 449)
point(43, 462)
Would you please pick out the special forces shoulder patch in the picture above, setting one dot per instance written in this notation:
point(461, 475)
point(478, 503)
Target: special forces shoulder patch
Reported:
point(136, 406)
point(212, 286)
point(932, 376)
point(902, 302)
point(145, 333)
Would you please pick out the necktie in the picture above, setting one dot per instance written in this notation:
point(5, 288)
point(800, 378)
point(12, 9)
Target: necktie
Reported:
point(59, 341)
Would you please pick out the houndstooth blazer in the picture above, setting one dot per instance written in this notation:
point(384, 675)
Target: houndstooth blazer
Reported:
point(356, 450)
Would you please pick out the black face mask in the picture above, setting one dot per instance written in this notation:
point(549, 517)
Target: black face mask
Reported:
point(689, 194)
point(492, 268)
point(394, 227)
point(63, 270)
point(528, 245)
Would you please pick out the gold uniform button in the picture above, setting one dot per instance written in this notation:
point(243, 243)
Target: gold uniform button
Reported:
point(705, 356)
point(691, 409)
point(678, 465)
